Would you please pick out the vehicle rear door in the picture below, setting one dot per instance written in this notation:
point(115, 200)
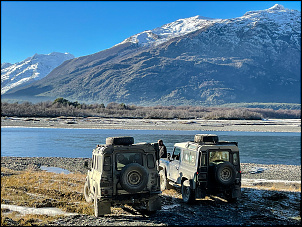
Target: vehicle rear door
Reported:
point(174, 165)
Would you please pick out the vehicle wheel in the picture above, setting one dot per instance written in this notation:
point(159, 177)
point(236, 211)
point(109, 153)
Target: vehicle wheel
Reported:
point(87, 194)
point(188, 195)
point(122, 140)
point(225, 173)
point(134, 178)
point(163, 180)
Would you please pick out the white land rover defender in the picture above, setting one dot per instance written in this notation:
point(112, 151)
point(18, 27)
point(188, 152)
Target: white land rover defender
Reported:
point(203, 167)
point(123, 173)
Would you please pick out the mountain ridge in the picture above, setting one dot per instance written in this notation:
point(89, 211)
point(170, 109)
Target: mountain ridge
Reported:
point(253, 58)
point(32, 68)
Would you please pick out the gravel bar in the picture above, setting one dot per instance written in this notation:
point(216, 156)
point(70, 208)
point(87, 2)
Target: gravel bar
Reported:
point(268, 172)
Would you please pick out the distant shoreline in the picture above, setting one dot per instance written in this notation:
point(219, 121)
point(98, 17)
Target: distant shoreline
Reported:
point(268, 125)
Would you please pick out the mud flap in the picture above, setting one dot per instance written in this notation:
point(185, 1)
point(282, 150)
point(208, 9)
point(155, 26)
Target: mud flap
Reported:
point(236, 193)
point(101, 208)
point(154, 203)
point(200, 194)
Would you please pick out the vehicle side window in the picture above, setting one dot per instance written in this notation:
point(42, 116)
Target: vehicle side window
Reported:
point(176, 153)
point(150, 161)
point(189, 156)
point(235, 159)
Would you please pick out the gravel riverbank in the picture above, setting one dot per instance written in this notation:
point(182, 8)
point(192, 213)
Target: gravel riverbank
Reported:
point(268, 172)
point(268, 125)
point(271, 194)
point(260, 204)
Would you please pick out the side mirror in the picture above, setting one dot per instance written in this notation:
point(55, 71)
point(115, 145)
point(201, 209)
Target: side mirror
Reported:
point(86, 164)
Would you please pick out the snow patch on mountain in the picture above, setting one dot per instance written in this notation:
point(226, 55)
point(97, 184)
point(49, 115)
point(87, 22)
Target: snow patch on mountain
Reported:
point(276, 13)
point(32, 68)
point(171, 30)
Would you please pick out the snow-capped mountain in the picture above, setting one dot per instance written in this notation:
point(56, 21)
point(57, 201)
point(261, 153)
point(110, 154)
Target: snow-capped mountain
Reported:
point(181, 27)
point(192, 61)
point(168, 31)
point(32, 68)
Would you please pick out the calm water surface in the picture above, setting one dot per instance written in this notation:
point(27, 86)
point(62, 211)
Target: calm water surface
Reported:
point(255, 147)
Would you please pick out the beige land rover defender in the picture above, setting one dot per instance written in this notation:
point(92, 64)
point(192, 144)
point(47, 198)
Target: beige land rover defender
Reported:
point(123, 173)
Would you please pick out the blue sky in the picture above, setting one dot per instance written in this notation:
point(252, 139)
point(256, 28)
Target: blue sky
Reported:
point(86, 27)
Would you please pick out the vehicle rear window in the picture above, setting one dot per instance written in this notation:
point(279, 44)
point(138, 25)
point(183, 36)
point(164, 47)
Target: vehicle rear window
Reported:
point(123, 159)
point(219, 156)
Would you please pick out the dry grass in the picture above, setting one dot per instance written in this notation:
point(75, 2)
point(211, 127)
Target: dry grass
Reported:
point(42, 189)
point(65, 191)
point(290, 187)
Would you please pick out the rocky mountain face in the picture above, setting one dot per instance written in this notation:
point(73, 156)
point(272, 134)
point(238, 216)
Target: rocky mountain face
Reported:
point(31, 69)
point(193, 61)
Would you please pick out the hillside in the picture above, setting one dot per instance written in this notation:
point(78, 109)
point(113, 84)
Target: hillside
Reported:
point(192, 61)
point(31, 69)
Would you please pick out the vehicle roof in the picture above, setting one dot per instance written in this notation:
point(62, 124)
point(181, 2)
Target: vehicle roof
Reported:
point(190, 143)
point(103, 148)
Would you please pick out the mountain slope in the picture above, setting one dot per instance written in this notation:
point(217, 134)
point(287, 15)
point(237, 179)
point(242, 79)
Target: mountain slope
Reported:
point(29, 70)
point(253, 58)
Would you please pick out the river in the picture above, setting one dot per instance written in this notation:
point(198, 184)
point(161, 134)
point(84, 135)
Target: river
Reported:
point(255, 147)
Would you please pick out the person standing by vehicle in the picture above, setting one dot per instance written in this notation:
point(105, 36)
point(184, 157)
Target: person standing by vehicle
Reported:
point(162, 149)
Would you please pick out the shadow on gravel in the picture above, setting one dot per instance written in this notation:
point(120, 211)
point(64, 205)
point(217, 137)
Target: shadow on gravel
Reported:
point(255, 207)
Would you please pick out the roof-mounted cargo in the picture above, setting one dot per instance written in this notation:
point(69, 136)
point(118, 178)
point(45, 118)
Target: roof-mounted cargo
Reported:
point(206, 138)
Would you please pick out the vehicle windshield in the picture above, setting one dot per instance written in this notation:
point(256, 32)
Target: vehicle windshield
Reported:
point(219, 156)
point(123, 159)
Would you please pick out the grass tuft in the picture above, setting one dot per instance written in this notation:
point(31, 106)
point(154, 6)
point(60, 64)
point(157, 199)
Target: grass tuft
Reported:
point(41, 189)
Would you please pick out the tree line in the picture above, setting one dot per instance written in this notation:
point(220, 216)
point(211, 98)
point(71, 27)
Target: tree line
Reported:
point(63, 107)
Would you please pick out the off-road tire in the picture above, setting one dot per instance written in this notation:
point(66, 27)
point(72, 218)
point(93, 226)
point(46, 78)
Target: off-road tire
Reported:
point(87, 196)
point(225, 173)
point(123, 140)
point(188, 195)
point(134, 177)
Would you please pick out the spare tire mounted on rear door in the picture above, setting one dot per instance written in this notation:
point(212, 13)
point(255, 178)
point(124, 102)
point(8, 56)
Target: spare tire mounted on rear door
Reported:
point(134, 178)
point(225, 173)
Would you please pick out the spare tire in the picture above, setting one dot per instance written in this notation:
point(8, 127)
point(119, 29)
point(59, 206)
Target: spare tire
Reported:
point(133, 178)
point(87, 193)
point(225, 173)
point(122, 140)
